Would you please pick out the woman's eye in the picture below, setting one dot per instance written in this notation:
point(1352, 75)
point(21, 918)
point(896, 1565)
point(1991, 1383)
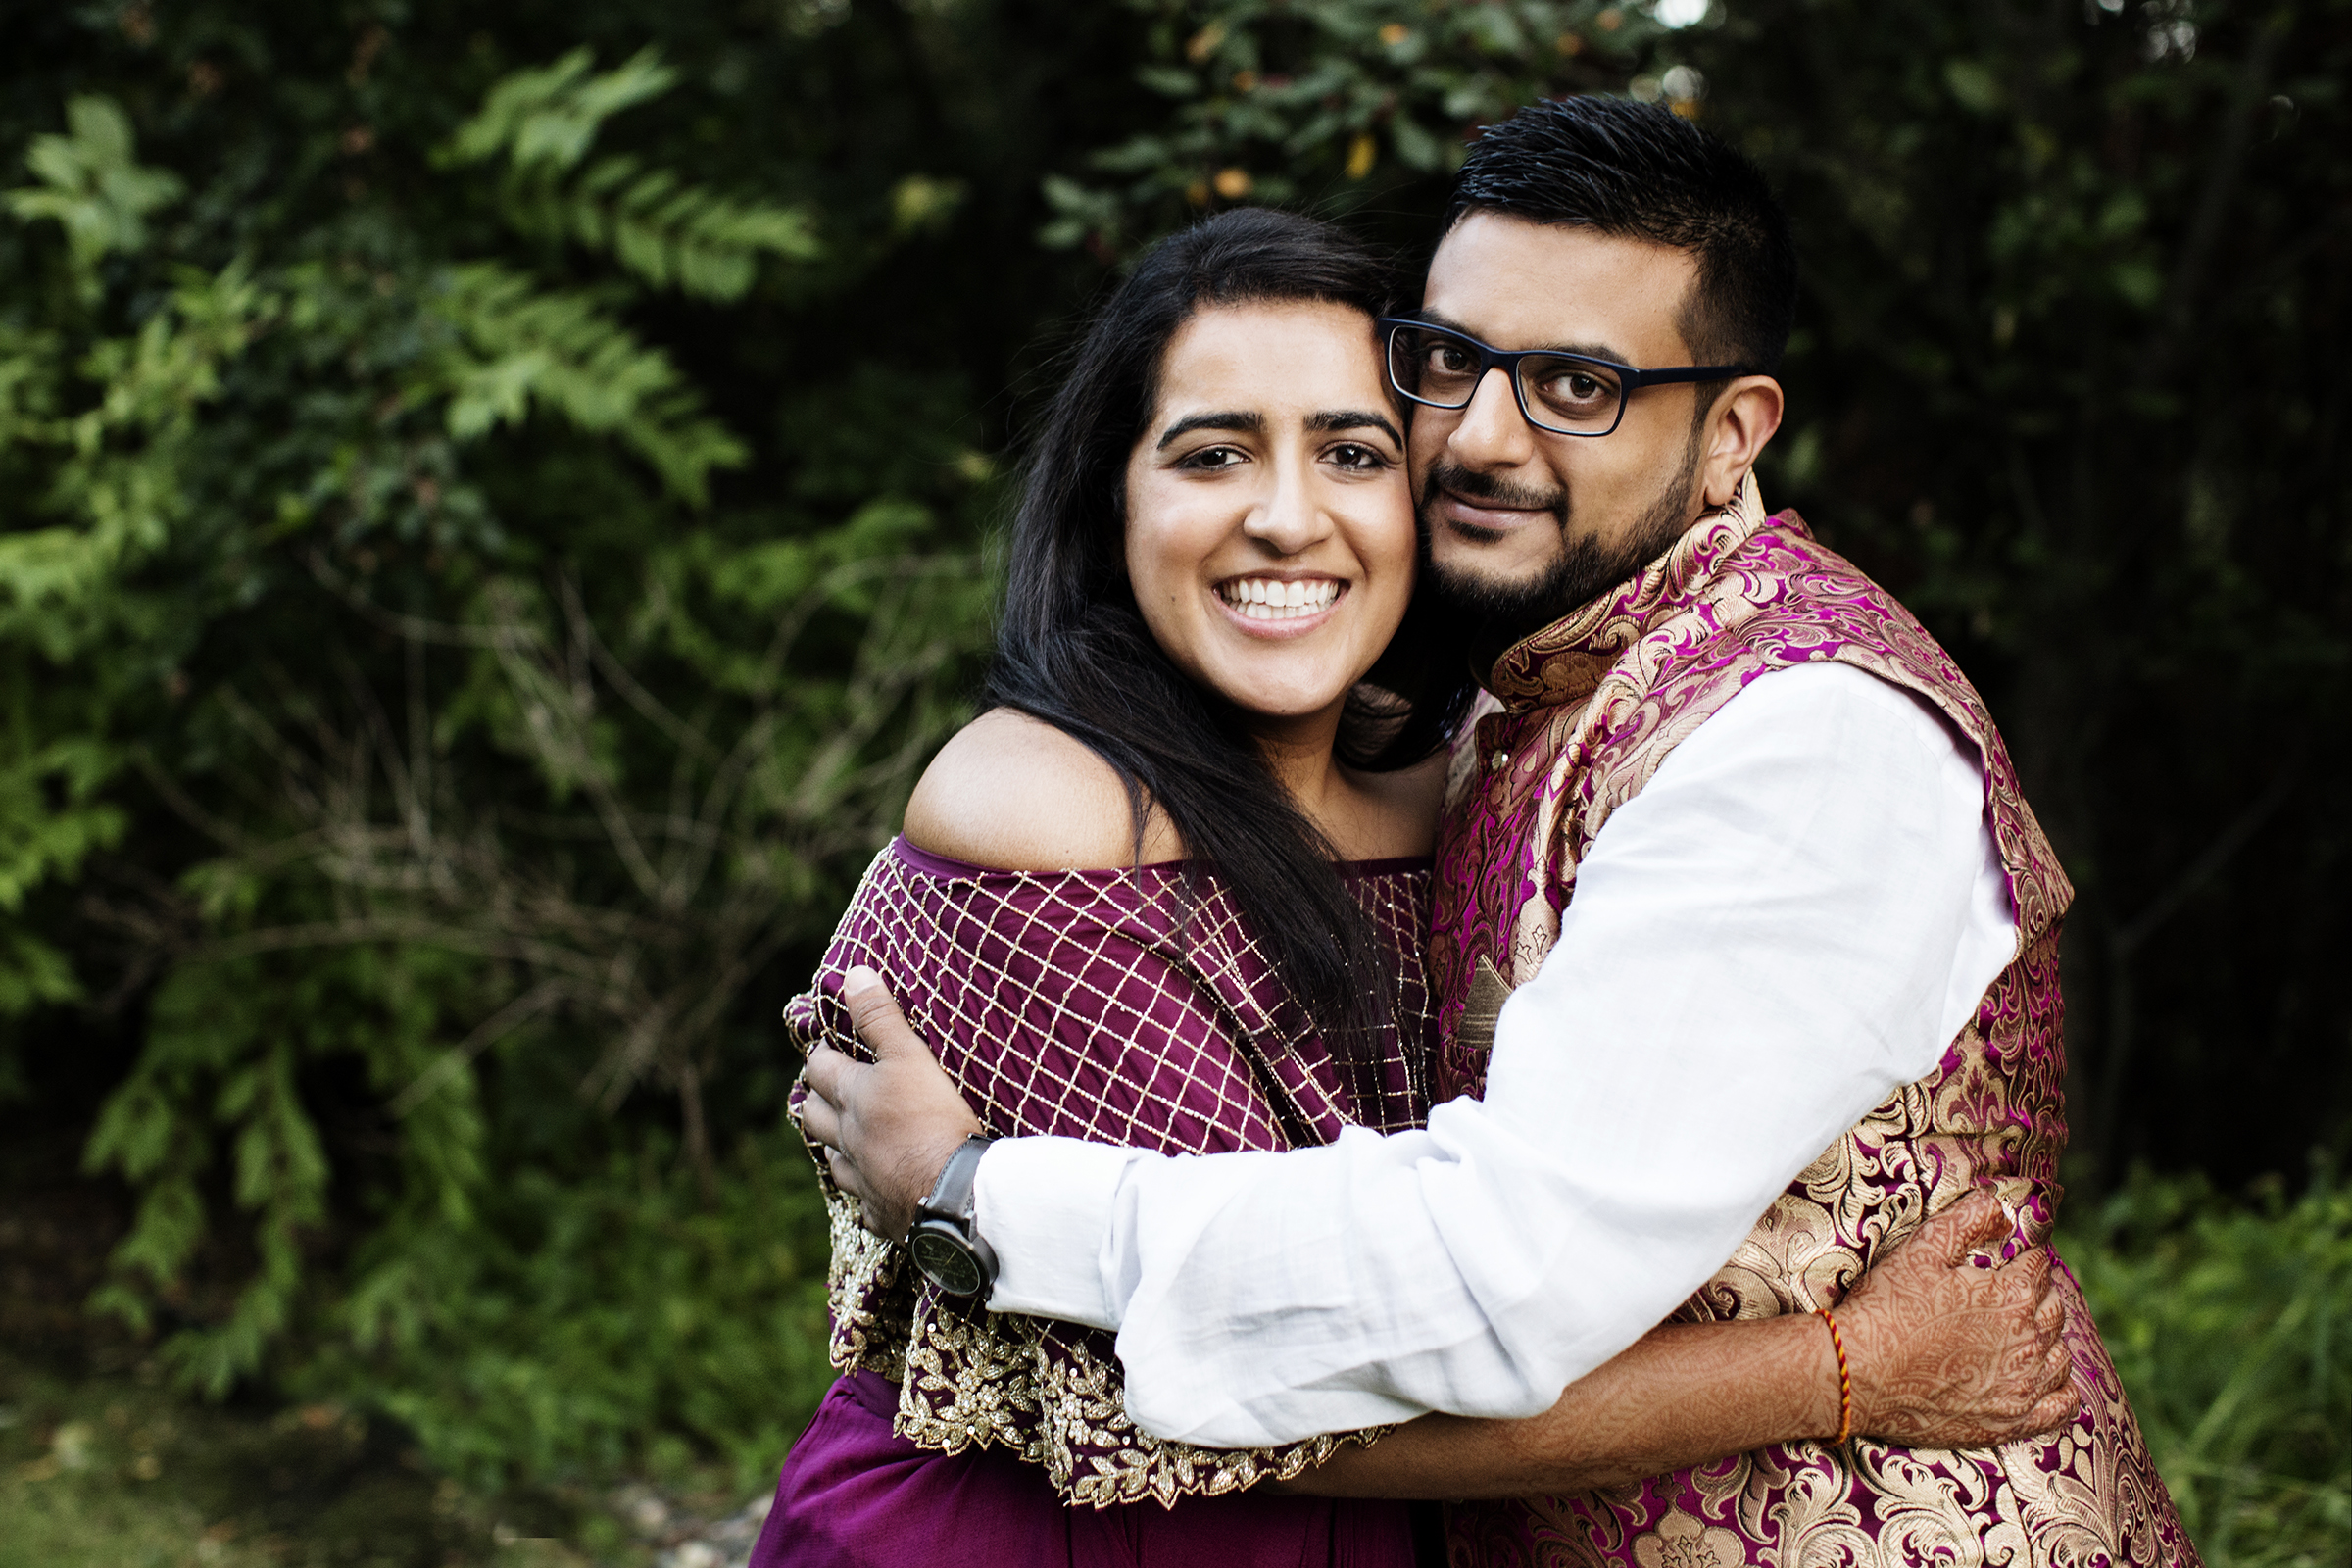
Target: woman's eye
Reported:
point(1212, 458)
point(1356, 455)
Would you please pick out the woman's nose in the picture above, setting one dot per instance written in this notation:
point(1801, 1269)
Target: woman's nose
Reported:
point(1289, 517)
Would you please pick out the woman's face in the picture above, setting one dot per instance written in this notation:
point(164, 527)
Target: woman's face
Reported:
point(1269, 523)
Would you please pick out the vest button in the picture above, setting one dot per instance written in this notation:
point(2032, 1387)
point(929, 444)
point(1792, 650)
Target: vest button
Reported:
point(1502, 759)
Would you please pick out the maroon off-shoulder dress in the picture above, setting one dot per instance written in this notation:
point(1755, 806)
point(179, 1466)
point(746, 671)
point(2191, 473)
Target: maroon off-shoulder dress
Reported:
point(1124, 1006)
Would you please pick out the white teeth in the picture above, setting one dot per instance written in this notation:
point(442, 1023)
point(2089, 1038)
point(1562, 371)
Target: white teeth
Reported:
point(1265, 599)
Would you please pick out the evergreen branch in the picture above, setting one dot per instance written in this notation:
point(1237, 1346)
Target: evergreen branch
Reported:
point(489, 1032)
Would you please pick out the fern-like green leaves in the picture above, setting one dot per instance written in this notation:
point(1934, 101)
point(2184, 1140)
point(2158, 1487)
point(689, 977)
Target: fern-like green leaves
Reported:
point(516, 344)
point(1338, 99)
point(91, 184)
point(546, 118)
point(508, 800)
point(666, 231)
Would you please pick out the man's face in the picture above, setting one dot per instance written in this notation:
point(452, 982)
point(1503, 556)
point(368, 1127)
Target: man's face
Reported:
point(1522, 524)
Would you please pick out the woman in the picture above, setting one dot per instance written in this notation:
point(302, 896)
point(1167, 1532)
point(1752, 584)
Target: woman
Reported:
point(1203, 703)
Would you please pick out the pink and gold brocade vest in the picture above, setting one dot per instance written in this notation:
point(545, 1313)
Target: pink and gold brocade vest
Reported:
point(1589, 709)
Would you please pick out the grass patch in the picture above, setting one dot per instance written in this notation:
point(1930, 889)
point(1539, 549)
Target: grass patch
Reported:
point(2231, 1323)
point(115, 1471)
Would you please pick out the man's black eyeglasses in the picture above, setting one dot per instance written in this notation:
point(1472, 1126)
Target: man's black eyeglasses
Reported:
point(1567, 394)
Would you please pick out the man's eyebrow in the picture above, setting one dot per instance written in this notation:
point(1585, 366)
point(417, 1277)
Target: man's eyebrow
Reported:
point(1334, 420)
point(1231, 419)
point(1591, 351)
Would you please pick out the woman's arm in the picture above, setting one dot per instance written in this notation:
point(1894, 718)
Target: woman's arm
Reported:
point(1944, 1353)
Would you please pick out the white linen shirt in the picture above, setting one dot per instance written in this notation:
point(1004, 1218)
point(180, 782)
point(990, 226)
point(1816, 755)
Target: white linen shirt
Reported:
point(1791, 920)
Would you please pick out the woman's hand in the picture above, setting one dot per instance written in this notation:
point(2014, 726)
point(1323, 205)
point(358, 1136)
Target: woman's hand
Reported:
point(1948, 1353)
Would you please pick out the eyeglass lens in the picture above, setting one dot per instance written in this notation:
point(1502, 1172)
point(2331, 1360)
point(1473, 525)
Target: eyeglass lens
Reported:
point(1558, 391)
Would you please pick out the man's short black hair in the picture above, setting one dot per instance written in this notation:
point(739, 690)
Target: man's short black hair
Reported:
point(1644, 171)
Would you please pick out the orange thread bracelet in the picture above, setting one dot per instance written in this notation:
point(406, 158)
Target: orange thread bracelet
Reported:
point(1846, 1380)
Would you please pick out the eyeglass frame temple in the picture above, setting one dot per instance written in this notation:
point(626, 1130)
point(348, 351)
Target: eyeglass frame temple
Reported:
point(1631, 379)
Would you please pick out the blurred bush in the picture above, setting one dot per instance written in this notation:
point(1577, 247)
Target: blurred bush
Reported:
point(601, 1321)
point(2064, 380)
point(2231, 1326)
point(436, 726)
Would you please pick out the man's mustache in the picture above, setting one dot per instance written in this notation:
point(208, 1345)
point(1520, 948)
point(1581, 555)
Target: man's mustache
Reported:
point(1472, 485)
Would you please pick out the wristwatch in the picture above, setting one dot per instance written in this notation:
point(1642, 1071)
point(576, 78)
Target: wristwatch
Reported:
point(946, 1242)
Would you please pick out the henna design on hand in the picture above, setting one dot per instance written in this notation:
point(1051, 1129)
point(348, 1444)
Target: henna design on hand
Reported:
point(1949, 1353)
point(1944, 1353)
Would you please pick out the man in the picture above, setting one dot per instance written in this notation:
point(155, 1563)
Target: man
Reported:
point(1734, 867)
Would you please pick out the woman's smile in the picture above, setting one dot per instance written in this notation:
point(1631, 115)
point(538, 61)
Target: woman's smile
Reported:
point(1274, 606)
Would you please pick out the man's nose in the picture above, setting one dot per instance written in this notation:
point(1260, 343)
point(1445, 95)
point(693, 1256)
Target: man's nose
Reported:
point(1492, 432)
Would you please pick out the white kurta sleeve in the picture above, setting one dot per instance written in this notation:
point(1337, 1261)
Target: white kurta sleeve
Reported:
point(1792, 919)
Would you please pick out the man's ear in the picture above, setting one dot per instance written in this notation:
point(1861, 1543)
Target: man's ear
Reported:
point(1745, 414)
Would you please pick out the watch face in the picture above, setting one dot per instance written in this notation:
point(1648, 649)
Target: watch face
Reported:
point(946, 1260)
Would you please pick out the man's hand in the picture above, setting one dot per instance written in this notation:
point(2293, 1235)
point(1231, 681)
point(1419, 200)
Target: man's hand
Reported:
point(1944, 1354)
point(1949, 1355)
point(888, 1126)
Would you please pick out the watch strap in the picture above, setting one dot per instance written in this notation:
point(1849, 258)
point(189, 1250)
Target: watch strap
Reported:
point(950, 1197)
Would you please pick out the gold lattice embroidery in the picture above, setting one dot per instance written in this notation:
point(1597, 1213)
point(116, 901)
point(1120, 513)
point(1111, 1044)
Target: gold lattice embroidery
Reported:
point(1212, 1056)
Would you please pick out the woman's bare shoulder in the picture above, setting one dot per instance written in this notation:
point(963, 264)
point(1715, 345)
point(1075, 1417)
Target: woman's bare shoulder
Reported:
point(1014, 793)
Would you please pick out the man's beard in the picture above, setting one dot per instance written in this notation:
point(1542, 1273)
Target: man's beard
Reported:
point(1488, 617)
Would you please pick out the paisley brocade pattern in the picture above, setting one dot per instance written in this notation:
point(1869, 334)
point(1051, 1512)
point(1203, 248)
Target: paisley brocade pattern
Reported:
point(1585, 713)
point(1021, 981)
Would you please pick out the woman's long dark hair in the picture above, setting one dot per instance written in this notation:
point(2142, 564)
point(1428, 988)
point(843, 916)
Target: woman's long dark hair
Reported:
point(1074, 650)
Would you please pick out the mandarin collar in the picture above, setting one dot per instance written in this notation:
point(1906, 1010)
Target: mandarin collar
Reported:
point(1564, 662)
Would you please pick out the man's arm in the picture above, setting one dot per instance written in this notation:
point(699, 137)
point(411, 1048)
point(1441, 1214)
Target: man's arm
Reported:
point(1945, 1355)
point(1787, 923)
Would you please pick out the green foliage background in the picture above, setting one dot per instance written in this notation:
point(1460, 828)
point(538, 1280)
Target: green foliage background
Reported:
point(494, 510)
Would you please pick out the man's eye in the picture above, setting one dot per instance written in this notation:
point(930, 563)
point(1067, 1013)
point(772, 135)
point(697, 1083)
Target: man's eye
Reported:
point(1449, 360)
point(1576, 386)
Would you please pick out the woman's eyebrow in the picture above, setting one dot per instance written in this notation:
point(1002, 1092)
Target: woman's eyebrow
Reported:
point(1336, 419)
point(1248, 423)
